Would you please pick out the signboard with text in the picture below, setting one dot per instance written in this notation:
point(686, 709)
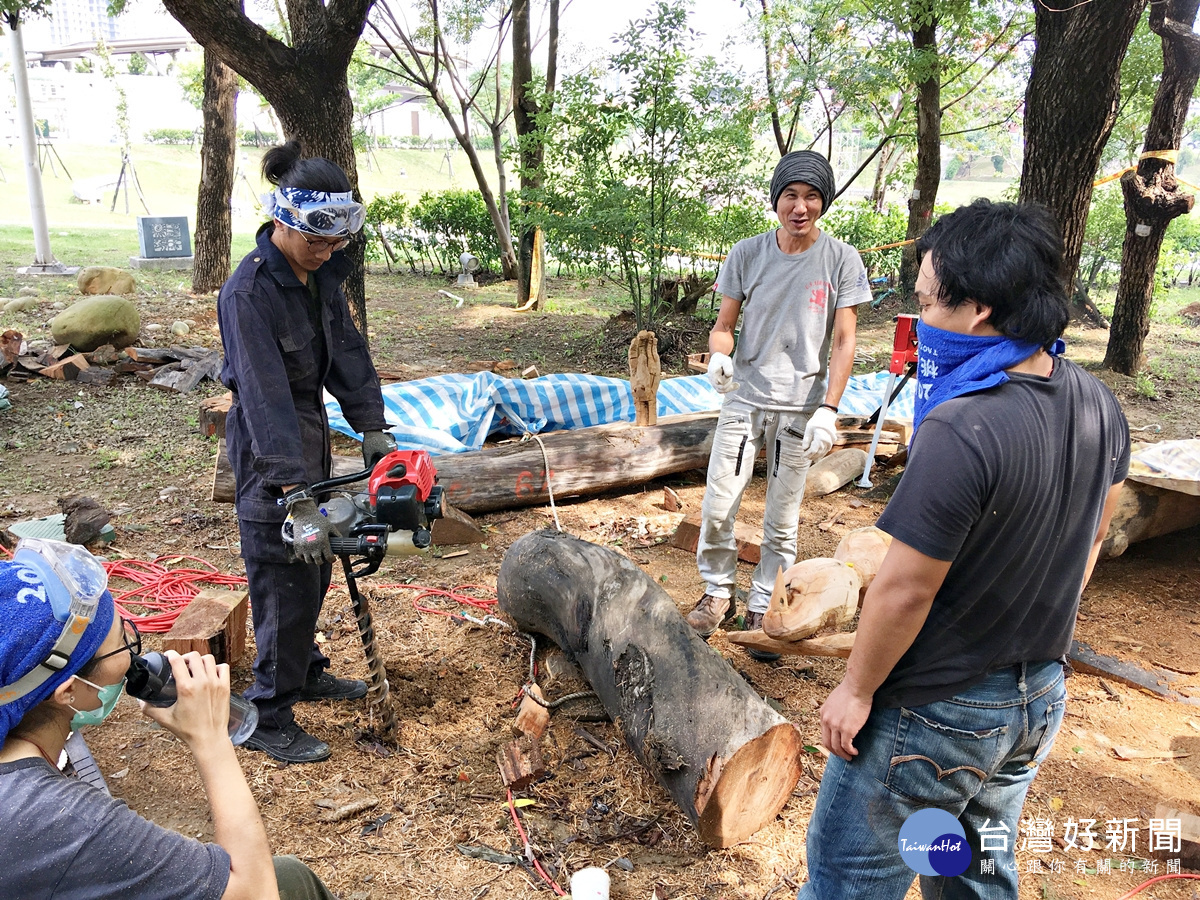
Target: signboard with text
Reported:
point(163, 236)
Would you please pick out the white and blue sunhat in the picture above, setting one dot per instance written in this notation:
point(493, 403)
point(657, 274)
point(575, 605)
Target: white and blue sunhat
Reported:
point(316, 212)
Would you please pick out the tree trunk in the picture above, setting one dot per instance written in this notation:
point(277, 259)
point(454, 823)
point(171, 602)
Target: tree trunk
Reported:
point(929, 154)
point(218, 158)
point(305, 83)
point(1152, 195)
point(1070, 107)
point(726, 758)
point(322, 120)
point(531, 261)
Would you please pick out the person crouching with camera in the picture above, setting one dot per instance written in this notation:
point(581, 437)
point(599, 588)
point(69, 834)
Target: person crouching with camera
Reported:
point(64, 655)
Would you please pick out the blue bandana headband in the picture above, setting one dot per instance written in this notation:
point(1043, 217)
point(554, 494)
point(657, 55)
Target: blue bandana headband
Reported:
point(950, 365)
point(316, 212)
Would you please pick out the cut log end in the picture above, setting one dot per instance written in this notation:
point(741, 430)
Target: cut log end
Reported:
point(751, 787)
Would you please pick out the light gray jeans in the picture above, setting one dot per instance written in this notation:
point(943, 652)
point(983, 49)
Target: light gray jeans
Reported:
point(742, 431)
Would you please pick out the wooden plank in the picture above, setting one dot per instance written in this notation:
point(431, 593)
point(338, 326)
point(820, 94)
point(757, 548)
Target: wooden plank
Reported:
point(838, 645)
point(67, 369)
point(749, 540)
point(152, 355)
point(455, 528)
point(213, 622)
point(184, 376)
point(583, 462)
point(97, 375)
point(1155, 681)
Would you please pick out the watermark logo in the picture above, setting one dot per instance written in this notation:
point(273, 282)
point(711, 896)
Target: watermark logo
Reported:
point(932, 842)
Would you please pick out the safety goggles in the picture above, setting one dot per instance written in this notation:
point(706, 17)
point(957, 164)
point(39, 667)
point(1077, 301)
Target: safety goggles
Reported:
point(85, 581)
point(317, 212)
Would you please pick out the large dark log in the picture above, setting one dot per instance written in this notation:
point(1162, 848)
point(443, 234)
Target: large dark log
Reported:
point(726, 757)
point(583, 462)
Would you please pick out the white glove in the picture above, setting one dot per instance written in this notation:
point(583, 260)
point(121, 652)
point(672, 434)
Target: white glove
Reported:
point(819, 434)
point(720, 373)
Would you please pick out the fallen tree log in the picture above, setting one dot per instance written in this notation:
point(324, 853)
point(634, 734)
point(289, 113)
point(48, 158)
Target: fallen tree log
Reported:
point(726, 758)
point(583, 462)
point(1145, 512)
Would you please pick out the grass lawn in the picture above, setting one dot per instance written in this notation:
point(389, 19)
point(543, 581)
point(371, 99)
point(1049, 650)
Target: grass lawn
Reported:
point(169, 176)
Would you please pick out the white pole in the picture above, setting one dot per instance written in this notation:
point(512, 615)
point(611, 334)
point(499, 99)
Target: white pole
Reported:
point(33, 173)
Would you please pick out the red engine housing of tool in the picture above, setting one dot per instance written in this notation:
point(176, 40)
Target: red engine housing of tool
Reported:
point(404, 492)
point(401, 467)
point(904, 344)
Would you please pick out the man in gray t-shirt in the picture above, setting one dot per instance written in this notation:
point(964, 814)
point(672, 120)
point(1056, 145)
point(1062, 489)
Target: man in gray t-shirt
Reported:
point(799, 289)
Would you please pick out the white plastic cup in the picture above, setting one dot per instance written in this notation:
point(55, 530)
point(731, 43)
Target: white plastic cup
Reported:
point(589, 884)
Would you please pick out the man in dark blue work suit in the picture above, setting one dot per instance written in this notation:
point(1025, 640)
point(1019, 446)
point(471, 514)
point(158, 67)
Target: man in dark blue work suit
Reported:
point(288, 336)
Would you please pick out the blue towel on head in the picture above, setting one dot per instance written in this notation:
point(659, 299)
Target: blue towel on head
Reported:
point(28, 601)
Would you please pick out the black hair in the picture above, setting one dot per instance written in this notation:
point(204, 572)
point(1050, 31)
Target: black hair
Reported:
point(1007, 256)
point(284, 166)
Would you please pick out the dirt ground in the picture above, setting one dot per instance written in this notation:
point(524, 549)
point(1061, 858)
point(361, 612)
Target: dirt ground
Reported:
point(138, 452)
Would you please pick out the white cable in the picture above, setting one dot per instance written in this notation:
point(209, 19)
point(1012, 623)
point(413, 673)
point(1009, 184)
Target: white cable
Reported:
point(546, 471)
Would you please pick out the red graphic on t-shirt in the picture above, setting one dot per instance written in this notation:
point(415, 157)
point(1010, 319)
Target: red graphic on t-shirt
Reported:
point(818, 296)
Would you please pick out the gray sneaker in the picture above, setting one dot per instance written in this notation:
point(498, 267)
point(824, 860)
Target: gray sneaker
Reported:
point(711, 613)
point(754, 623)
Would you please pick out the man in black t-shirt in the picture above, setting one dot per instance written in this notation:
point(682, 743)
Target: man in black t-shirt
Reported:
point(954, 691)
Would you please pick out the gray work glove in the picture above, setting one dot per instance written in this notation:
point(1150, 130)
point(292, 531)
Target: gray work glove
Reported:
point(376, 445)
point(310, 533)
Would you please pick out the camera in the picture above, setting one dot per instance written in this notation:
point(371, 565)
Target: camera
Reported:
point(149, 678)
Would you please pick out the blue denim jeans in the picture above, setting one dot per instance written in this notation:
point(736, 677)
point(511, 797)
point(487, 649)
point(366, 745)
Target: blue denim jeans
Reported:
point(973, 755)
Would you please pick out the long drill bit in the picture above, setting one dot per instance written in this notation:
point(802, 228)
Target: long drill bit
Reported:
point(379, 695)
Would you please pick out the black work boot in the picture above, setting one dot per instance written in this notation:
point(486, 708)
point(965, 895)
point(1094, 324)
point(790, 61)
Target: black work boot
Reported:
point(754, 623)
point(327, 687)
point(290, 744)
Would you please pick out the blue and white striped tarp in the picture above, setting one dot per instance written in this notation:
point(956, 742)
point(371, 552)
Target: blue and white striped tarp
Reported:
point(456, 413)
point(864, 393)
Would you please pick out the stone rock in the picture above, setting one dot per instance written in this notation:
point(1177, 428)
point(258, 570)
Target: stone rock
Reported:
point(21, 304)
point(105, 280)
point(28, 292)
point(95, 321)
point(179, 328)
point(154, 326)
point(58, 304)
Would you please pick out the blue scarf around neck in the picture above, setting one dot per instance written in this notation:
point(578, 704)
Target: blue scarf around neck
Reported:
point(950, 365)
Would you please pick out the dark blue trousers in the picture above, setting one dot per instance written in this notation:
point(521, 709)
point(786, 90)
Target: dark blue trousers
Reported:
point(285, 601)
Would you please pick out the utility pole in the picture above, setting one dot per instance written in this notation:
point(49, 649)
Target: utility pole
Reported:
point(44, 262)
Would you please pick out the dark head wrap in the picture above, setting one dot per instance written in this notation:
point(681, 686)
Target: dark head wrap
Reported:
point(809, 167)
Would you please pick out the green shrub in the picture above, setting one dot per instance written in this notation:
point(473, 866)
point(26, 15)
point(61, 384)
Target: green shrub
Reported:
point(171, 136)
point(455, 221)
point(253, 137)
point(431, 233)
point(859, 225)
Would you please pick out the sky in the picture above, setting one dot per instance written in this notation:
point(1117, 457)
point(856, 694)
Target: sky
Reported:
point(588, 26)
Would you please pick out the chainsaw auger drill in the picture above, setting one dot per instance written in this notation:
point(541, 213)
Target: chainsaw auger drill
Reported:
point(393, 517)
